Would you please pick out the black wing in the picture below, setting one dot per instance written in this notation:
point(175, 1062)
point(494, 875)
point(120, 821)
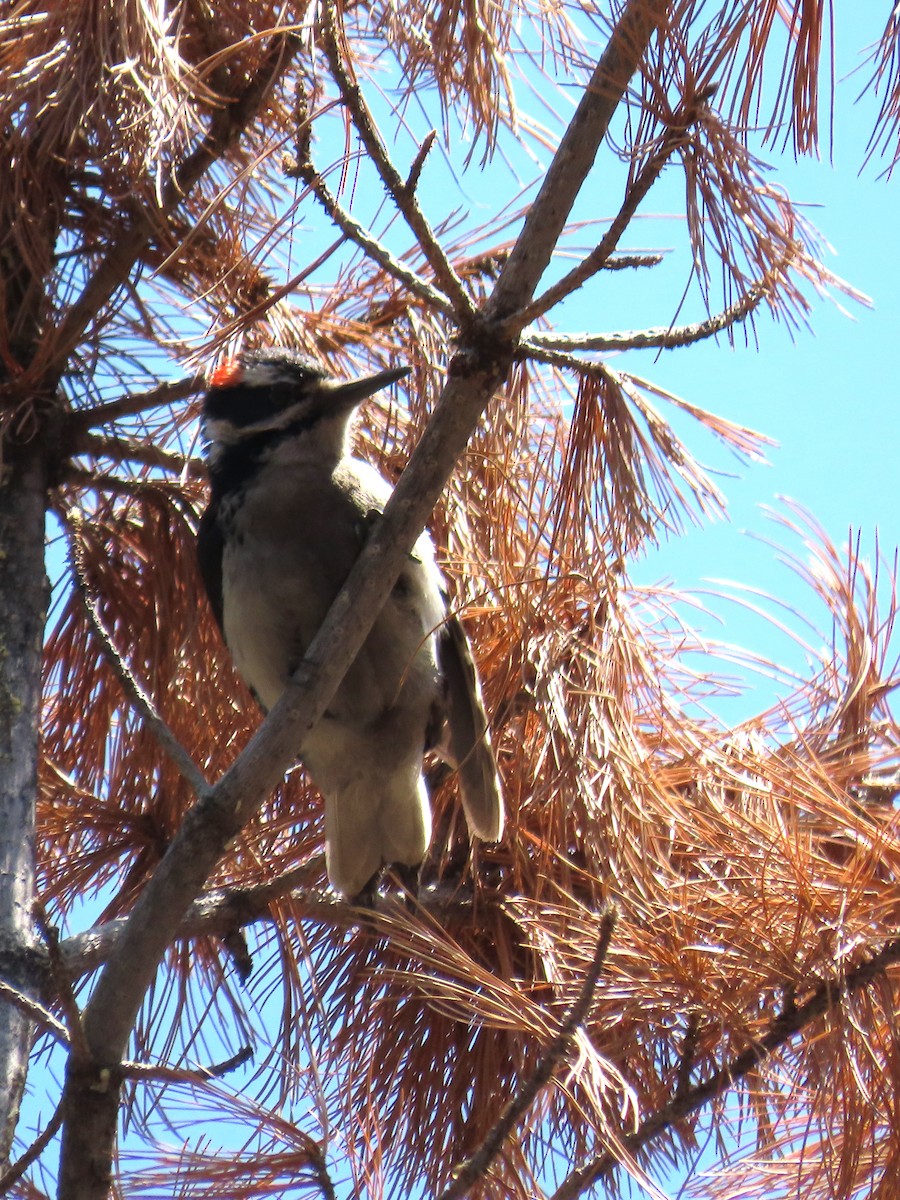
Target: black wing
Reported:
point(210, 547)
point(467, 744)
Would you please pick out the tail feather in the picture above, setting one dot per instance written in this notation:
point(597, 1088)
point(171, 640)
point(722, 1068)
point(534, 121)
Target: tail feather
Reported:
point(467, 744)
point(376, 804)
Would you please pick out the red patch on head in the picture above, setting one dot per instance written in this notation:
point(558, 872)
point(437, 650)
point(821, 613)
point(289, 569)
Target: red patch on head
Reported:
point(226, 374)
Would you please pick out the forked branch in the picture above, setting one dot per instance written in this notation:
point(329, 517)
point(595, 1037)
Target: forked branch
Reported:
point(572, 163)
point(303, 169)
point(826, 997)
point(402, 192)
point(600, 255)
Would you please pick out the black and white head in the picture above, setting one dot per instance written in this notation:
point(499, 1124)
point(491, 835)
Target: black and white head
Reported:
point(267, 397)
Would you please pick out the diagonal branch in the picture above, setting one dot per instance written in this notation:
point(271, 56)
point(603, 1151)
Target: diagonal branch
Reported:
point(466, 1173)
point(600, 255)
point(661, 338)
point(827, 996)
point(304, 170)
point(35, 1010)
point(125, 449)
point(16, 1170)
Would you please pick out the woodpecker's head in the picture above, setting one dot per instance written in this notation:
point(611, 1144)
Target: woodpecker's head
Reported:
point(268, 398)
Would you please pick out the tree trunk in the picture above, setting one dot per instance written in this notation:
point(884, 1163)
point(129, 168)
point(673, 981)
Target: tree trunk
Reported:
point(23, 610)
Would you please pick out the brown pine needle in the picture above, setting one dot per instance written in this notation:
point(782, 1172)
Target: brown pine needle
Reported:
point(466, 1173)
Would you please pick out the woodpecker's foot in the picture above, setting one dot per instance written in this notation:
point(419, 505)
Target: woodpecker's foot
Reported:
point(235, 943)
point(408, 878)
point(368, 893)
point(366, 524)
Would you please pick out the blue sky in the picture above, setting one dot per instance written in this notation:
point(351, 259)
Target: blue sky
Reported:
point(827, 395)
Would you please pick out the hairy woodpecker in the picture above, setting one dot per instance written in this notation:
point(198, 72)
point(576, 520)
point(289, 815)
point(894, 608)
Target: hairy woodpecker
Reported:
point(289, 510)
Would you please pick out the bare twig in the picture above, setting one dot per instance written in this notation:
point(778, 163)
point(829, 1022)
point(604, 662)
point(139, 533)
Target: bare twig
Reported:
point(466, 1173)
point(159, 1072)
point(129, 406)
point(648, 339)
point(320, 1166)
point(600, 255)
point(132, 689)
point(37, 1012)
point(627, 262)
point(351, 228)
point(133, 450)
point(301, 167)
point(17, 1169)
point(415, 170)
point(827, 996)
point(402, 193)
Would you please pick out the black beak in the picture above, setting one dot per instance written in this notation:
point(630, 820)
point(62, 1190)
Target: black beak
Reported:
point(348, 395)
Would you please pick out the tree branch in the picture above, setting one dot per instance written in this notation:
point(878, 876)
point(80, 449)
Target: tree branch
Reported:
point(215, 912)
point(628, 262)
point(124, 449)
point(826, 997)
point(224, 909)
point(35, 1011)
point(660, 338)
point(351, 228)
point(23, 613)
point(103, 481)
point(129, 406)
point(466, 1173)
point(140, 700)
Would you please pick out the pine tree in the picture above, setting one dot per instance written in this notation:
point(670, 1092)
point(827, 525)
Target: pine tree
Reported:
point(685, 926)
